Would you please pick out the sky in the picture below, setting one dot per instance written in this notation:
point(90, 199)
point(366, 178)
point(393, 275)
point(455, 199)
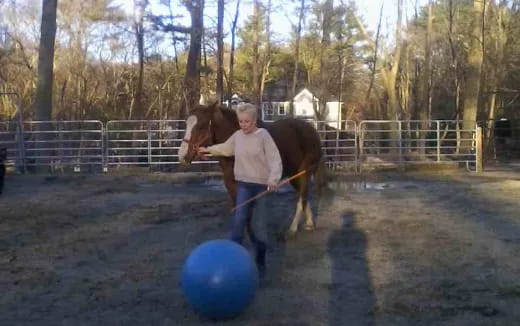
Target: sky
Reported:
point(282, 18)
point(370, 10)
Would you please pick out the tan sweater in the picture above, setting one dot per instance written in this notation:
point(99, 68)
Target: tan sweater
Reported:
point(257, 158)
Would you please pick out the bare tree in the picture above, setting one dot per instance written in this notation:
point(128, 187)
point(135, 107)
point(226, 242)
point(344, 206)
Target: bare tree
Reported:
point(423, 109)
point(136, 105)
point(373, 66)
point(297, 52)
point(390, 75)
point(220, 51)
point(496, 61)
point(266, 62)
point(322, 89)
point(192, 77)
point(44, 88)
point(473, 74)
point(256, 53)
point(232, 54)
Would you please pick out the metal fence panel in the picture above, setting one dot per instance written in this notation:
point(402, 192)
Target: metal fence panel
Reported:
point(62, 144)
point(9, 139)
point(339, 143)
point(144, 142)
point(345, 144)
point(390, 143)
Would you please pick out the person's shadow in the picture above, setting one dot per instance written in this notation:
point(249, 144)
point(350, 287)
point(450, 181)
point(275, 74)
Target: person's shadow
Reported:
point(351, 300)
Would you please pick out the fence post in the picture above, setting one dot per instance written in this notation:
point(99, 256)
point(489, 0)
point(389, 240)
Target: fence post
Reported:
point(438, 142)
point(19, 131)
point(21, 139)
point(149, 146)
point(357, 167)
point(104, 146)
point(400, 140)
point(60, 126)
point(478, 150)
point(337, 156)
point(360, 145)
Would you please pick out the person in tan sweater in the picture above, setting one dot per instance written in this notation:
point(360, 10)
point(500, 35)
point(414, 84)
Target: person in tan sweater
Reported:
point(258, 167)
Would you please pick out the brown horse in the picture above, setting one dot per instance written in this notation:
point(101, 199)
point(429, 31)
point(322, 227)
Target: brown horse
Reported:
point(298, 143)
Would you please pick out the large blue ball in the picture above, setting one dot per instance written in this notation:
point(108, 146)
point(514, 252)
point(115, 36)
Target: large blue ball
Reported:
point(219, 279)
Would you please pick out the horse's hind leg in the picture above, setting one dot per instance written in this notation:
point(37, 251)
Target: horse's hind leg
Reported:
point(309, 220)
point(304, 197)
point(296, 219)
point(302, 207)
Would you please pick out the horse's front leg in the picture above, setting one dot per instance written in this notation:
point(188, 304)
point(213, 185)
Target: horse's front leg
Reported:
point(231, 187)
point(229, 180)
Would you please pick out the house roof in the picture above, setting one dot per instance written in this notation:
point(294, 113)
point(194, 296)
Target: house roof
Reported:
point(304, 93)
point(276, 91)
point(279, 91)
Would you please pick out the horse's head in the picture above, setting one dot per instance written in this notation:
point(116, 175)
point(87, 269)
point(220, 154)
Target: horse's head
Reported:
point(199, 131)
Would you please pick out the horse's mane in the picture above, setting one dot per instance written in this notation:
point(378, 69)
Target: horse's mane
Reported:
point(229, 113)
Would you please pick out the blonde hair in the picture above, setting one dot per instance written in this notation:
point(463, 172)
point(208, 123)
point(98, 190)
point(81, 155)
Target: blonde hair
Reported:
point(247, 108)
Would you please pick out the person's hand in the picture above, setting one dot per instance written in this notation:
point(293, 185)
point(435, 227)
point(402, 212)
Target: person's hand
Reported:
point(202, 150)
point(272, 187)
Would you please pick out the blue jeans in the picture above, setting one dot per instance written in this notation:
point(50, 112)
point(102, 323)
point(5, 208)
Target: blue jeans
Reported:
point(244, 218)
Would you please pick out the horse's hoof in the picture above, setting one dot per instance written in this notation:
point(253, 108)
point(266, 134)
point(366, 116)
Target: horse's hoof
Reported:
point(290, 235)
point(284, 236)
point(281, 237)
point(309, 227)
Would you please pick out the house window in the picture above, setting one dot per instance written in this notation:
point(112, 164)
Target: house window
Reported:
point(268, 108)
point(281, 108)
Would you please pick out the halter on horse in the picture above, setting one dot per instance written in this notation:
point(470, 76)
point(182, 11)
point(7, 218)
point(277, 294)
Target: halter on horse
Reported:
point(194, 146)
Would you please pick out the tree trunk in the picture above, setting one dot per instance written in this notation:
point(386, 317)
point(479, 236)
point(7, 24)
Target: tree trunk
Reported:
point(498, 67)
point(472, 80)
point(205, 89)
point(374, 61)
point(391, 76)
point(425, 80)
point(220, 51)
point(136, 109)
point(43, 101)
point(267, 57)
point(232, 54)
point(256, 54)
point(324, 75)
point(192, 77)
point(390, 81)
point(296, 56)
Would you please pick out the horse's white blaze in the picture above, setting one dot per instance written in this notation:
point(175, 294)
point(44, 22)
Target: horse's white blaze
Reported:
point(183, 150)
point(297, 217)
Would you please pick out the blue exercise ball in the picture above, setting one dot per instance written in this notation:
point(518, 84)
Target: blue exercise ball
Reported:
point(219, 279)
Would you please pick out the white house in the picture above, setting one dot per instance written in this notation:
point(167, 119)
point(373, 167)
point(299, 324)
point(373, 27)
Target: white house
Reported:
point(304, 103)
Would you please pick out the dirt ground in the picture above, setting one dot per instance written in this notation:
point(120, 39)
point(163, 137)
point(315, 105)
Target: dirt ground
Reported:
point(417, 248)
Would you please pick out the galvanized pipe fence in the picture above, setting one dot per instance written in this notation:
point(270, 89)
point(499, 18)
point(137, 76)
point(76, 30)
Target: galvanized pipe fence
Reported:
point(92, 145)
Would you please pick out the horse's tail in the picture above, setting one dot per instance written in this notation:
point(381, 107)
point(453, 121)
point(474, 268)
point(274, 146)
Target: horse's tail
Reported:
point(321, 176)
point(313, 161)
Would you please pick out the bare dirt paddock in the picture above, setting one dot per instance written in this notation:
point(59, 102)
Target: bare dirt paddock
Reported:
point(390, 249)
